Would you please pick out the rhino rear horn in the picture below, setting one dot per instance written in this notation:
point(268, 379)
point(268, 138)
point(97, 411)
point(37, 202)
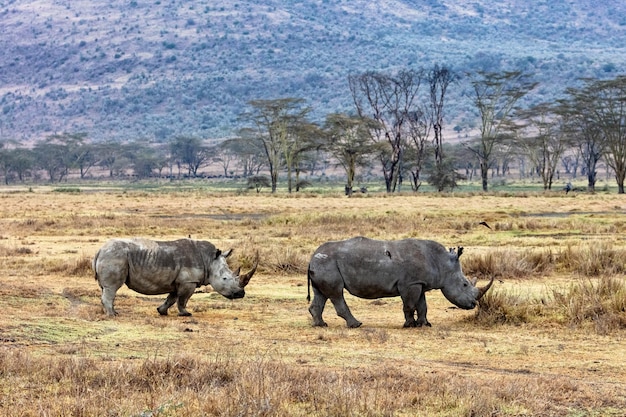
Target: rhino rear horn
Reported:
point(483, 290)
point(244, 279)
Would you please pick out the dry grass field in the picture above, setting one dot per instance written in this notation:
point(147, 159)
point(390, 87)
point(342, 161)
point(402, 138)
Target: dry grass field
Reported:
point(548, 339)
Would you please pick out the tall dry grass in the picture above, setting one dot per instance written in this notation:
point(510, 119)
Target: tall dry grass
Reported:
point(585, 260)
point(264, 386)
point(596, 302)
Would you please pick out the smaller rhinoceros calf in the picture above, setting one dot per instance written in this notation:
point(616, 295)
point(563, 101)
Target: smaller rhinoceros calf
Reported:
point(175, 267)
point(371, 269)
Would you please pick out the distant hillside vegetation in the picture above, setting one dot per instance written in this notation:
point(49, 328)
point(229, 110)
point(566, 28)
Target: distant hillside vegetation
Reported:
point(154, 69)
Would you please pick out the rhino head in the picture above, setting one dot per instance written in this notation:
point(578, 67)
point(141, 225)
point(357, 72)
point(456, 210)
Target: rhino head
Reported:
point(459, 290)
point(226, 282)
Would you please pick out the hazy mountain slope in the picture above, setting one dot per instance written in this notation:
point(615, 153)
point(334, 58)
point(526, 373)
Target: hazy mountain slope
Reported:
point(153, 69)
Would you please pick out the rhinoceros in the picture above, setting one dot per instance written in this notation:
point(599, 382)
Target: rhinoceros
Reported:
point(174, 267)
point(372, 269)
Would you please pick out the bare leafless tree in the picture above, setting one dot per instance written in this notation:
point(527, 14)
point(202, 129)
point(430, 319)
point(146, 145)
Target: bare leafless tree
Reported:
point(389, 100)
point(439, 79)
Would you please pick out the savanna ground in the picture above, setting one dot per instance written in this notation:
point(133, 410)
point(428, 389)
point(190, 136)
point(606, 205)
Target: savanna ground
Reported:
point(549, 339)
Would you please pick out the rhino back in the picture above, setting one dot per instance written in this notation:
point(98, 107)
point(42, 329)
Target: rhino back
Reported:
point(155, 267)
point(376, 268)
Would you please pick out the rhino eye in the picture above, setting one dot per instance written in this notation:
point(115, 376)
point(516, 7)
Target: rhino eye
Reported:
point(465, 284)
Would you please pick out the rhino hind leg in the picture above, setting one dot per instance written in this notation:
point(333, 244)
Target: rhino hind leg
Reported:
point(317, 308)
point(344, 312)
point(169, 301)
point(108, 298)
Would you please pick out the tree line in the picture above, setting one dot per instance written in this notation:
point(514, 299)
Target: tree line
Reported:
point(397, 127)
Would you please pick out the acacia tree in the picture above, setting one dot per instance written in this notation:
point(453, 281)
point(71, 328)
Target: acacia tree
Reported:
point(308, 138)
point(249, 155)
point(223, 155)
point(301, 137)
point(495, 96)
point(190, 152)
point(547, 140)
point(348, 141)
point(607, 108)
point(54, 156)
point(587, 138)
point(389, 100)
point(274, 120)
point(20, 162)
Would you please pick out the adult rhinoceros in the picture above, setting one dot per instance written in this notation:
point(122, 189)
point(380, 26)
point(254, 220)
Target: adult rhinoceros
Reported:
point(371, 269)
point(156, 267)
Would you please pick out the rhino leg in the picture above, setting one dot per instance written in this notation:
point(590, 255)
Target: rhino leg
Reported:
point(169, 301)
point(343, 311)
point(108, 298)
point(421, 311)
point(317, 308)
point(414, 301)
point(184, 294)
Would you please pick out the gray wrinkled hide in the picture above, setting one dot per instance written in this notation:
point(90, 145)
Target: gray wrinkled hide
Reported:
point(372, 269)
point(151, 267)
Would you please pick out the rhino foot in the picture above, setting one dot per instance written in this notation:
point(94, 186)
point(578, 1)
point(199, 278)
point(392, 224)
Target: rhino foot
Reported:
point(162, 312)
point(427, 324)
point(355, 325)
point(184, 314)
point(410, 324)
point(320, 324)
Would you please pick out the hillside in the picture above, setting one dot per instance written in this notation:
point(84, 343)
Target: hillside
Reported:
point(159, 68)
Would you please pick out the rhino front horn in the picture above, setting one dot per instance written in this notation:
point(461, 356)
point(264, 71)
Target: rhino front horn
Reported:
point(244, 279)
point(483, 290)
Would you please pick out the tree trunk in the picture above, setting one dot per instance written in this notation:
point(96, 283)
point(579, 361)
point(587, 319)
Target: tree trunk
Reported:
point(484, 174)
point(274, 178)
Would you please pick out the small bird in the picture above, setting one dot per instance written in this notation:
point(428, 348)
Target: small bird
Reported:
point(485, 224)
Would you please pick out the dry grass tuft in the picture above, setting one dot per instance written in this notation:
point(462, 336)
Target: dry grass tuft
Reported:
point(601, 301)
point(12, 250)
point(505, 263)
point(593, 260)
point(287, 261)
point(505, 307)
point(69, 266)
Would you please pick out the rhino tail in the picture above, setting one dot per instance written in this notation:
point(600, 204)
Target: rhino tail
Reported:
point(308, 284)
point(93, 265)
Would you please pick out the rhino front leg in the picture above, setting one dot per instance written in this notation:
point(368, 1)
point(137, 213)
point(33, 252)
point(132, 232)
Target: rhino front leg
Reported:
point(169, 301)
point(421, 311)
point(317, 308)
point(184, 294)
point(412, 298)
point(343, 311)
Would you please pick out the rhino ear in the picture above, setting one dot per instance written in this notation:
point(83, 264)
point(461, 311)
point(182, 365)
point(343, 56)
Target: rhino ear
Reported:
point(217, 253)
point(459, 252)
